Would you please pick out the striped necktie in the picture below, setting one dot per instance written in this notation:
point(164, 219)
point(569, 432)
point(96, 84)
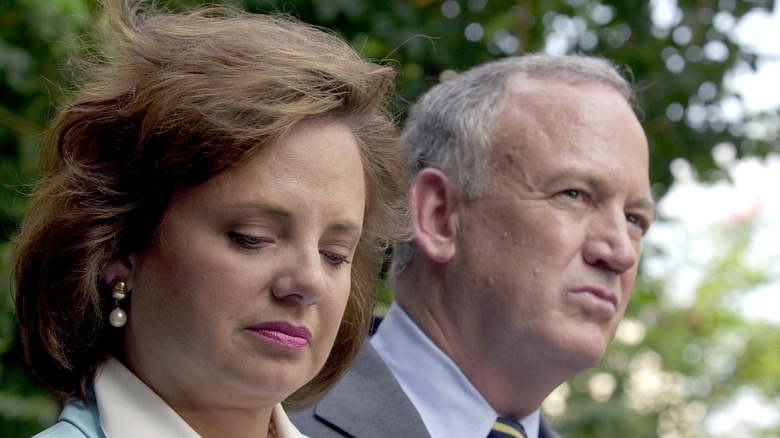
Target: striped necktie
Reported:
point(506, 427)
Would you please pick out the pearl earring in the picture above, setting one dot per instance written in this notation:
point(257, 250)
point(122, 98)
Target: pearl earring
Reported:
point(118, 287)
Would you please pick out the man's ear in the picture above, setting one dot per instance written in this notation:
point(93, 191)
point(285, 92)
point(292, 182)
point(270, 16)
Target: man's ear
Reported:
point(119, 267)
point(434, 201)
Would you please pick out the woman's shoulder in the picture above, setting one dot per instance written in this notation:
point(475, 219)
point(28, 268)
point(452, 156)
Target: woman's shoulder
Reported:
point(62, 429)
point(76, 421)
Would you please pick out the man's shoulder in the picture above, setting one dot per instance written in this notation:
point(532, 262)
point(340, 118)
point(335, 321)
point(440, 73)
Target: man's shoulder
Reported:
point(367, 402)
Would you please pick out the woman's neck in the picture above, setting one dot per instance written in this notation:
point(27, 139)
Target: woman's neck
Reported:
point(233, 423)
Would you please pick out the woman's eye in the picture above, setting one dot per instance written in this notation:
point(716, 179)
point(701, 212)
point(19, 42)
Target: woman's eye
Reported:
point(335, 259)
point(248, 241)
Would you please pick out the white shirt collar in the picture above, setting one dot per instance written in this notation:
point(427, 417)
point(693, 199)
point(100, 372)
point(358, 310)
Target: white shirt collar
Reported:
point(128, 408)
point(284, 427)
point(446, 400)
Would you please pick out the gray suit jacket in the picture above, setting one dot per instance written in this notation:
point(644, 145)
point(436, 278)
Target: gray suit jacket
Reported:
point(369, 403)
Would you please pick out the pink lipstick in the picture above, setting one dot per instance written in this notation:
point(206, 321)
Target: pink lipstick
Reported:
point(284, 334)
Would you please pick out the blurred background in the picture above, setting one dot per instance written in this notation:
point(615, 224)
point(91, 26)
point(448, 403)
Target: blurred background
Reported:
point(698, 354)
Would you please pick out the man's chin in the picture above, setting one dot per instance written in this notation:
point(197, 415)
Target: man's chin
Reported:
point(583, 352)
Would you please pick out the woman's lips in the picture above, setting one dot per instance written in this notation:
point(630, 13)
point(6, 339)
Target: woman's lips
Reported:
point(284, 334)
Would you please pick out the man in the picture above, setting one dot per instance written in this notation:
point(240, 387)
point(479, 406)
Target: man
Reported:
point(529, 209)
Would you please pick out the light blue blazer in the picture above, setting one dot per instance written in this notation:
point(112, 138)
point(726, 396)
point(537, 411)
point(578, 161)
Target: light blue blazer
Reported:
point(79, 421)
point(76, 421)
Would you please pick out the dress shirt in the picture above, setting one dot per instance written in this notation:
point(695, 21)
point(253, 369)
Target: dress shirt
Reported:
point(450, 406)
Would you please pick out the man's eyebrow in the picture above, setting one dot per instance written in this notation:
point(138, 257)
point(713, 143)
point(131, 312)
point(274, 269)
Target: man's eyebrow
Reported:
point(645, 203)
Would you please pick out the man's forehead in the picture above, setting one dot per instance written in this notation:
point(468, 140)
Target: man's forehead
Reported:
point(553, 125)
point(523, 86)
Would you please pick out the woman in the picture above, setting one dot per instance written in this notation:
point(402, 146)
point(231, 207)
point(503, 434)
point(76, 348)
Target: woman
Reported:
point(209, 231)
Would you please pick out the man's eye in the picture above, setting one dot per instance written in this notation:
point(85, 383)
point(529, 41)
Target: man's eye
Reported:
point(639, 221)
point(573, 193)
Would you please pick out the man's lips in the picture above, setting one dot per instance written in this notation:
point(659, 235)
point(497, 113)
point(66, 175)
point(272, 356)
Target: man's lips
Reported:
point(284, 334)
point(598, 293)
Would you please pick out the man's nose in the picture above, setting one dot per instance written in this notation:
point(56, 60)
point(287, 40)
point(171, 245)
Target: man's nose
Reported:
point(610, 245)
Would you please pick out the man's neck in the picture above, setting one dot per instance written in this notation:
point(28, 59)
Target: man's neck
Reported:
point(513, 387)
point(447, 401)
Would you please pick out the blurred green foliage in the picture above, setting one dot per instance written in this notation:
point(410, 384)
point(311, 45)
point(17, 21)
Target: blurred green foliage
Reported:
point(678, 349)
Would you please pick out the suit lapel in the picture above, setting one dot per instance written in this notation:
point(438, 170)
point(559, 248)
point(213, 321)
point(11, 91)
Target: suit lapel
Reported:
point(546, 431)
point(369, 398)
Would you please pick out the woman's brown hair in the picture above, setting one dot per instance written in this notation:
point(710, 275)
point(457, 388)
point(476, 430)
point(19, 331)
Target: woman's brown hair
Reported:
point(171, 100)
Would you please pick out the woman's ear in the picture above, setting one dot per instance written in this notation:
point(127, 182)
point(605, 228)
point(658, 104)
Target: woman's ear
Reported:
point(434, 200)
point(119, 267)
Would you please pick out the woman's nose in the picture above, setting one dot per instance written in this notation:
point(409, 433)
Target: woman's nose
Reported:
point(301, 280)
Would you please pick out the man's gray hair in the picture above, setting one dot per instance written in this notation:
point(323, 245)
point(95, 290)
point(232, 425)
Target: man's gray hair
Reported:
point(451, 126)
